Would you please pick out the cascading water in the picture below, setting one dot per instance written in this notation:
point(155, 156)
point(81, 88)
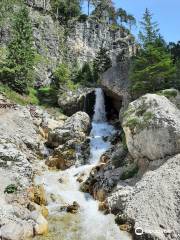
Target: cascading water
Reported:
point(88, 223)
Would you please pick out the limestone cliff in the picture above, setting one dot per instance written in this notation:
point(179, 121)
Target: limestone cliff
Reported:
point(78, 42)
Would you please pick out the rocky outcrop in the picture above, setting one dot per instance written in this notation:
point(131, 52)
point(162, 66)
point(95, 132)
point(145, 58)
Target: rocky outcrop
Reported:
point(82, 99)
point(39, 4)
point(153, 203)
point(48, 36)
point(68, 140)
point(115, 83)
point(87, 37)
point(104, 177)
point(152, 127)
point(19, 150)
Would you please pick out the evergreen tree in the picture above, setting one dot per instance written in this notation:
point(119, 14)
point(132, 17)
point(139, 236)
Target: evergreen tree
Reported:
point(122, 15)
point(152, 69)
point(20, 58)
point(150, 31)
point(66, 9)
point(101, 63)
point(102, 8)
point(131, 21)
point(174, 49)
point(85, 75)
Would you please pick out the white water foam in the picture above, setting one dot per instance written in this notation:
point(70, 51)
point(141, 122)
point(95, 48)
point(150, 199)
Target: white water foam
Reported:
point(93, 224)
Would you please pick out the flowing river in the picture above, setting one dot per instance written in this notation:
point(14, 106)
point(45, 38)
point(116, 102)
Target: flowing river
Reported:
point(62, 189)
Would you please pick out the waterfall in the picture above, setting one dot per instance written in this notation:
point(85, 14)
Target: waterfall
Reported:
point(88, 223)
point(99, 109)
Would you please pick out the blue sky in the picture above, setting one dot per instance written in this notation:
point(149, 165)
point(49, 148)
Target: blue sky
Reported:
point(166, 13)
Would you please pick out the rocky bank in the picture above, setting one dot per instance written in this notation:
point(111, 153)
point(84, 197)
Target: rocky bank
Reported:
point(139, 182)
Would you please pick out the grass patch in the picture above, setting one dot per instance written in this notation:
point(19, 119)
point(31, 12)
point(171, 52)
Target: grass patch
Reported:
point(129, 172)
point(18, 98)
point(47, 96)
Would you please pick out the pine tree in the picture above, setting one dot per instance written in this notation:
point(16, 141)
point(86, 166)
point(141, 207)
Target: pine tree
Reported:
point(101, 63)
point(152, 69)
point(66, 9)
point(150, 30)
point(20, 58)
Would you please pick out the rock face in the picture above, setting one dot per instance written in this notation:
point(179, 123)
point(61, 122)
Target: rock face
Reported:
point(115, 84)
point(86, 38)
point(68, 139)
point(39, 4)
point(19, 149)
point(80, 100)
point(153, 203)
point(152, 127)
point(47, 36)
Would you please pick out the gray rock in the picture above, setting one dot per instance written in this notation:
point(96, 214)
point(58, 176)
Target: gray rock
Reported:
point(115, 82)
point(47, 42)
point(153, 203)
point(82, 99)
point(16, 231)
point(152, 127)
point(86, 38)
point(39, 4)
point(75, 127)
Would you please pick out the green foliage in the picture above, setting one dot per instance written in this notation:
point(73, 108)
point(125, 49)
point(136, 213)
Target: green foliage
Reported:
point(103, 9)
point(168, 93)
point(150, 31)
point(101, 63)
point(152, 70)
point(18, 70)
point(47, 96)
point(174, 49)
point(66, 9)
point(85, 74)
point(129, 172)
point(12, 188)
point(122, 15)
point(63, 77)
point(7, 8)
point(31, 98)
point(62, 74)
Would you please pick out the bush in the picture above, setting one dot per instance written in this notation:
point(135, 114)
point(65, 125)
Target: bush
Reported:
point(12, 188)
point(62, 75)
point(85, 75)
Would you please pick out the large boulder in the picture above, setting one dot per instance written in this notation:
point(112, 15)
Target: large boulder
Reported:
point(152, 127)
point(152, 204)
point(75, 127)
point(70, 142)
point(82, 99)
point(115, 83)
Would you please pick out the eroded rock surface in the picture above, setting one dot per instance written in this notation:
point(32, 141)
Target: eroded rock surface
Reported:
point(152, 127)
point(68, 140)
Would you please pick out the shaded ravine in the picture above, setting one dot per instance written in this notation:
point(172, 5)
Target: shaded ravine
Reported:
point(62, 189)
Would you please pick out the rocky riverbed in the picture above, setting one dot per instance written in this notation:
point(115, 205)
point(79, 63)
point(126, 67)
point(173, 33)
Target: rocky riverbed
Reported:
point(53, 167)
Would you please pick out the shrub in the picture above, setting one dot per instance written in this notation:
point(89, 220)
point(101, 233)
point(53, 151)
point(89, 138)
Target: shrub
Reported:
point(62, 75)
point(12, 188)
